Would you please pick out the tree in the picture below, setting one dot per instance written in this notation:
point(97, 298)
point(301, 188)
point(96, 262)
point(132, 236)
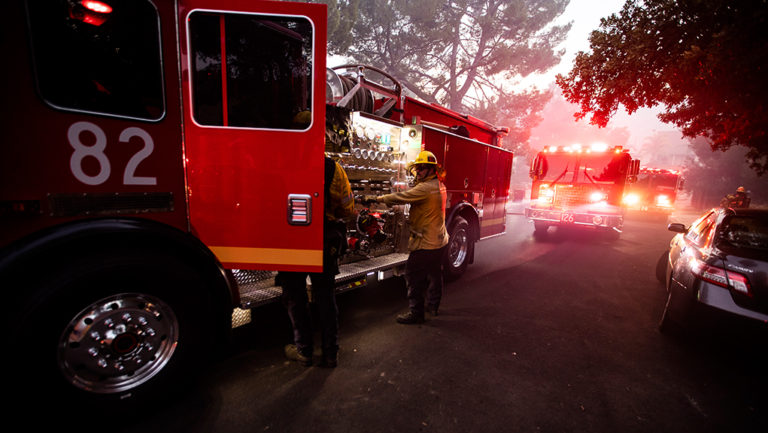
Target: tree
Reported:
point(709, 175)
point(341, 17)
point(463, 53)
point(703, 60)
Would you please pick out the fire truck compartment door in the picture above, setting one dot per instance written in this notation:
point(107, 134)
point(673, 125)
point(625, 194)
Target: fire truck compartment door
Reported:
point(253, 82)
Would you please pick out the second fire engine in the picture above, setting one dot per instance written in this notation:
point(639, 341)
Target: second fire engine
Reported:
point(654, 193)
point(580, 187)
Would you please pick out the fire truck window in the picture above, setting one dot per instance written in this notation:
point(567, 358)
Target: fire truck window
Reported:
point(98, 57)
point(268, 70)
point(606, 168)
point(555, 167)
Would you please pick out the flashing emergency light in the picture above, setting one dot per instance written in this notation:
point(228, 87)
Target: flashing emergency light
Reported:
point(96, 6)
point(599, 147)
point(90, 11)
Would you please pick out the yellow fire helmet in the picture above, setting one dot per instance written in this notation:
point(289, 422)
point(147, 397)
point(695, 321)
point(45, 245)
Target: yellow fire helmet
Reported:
point(740, 189)
point(424, 157)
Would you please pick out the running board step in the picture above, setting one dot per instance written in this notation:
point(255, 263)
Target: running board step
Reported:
point(258, 287)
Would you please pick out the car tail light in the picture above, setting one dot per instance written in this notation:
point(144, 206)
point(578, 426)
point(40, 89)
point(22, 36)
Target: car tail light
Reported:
point(721, 277)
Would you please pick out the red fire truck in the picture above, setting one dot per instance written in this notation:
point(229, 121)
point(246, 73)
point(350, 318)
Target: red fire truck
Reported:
point(580, 187)
point(654, 193)
point(162, 160)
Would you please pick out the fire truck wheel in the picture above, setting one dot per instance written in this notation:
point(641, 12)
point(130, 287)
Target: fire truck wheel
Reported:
point(113, 332)
point(540, 227)
point(459, 249)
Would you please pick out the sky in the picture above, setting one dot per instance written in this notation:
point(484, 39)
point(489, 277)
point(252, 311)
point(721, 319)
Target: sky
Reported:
point(586, 15)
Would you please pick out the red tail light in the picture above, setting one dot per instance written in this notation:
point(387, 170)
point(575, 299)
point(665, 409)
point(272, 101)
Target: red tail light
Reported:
point(721, 277)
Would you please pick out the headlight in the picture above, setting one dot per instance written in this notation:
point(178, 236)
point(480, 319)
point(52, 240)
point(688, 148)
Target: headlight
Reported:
point(631, 199)
point(663, 200)
point(546, 194)
point(597, 197)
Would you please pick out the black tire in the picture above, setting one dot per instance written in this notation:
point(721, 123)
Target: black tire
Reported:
point(677, 310)
point(661, 267)
point(540, 227)
point(112, 332)
point(459, 249)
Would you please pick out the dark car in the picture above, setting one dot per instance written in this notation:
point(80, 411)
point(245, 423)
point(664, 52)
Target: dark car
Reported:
point(719, 263)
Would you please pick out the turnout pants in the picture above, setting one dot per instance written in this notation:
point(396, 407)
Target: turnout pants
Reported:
point(424, 278)
point(296, 302)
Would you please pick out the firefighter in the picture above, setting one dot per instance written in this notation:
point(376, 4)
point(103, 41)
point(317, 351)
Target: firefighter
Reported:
point(339, 206)
point(428, 238)
point(740, 199)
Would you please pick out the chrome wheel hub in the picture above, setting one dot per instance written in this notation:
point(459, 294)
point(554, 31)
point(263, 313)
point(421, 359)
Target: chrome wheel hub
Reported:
point(458, 247)
point(118, 343)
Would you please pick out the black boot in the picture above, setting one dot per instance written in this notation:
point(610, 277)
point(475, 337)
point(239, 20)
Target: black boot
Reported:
point(410, 318)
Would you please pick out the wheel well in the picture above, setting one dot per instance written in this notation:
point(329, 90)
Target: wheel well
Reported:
point(53, 247)
point(470, 215)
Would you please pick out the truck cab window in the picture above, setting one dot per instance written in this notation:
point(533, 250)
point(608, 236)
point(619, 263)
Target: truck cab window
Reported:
point(265, 80)
point(98, 56)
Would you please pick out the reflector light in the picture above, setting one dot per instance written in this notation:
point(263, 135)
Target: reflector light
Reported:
point(299, 209)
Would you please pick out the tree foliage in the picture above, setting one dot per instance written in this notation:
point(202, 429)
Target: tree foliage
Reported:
point(463, 54)
point(711, 175)
point(704, 61)
point(459, 52)
point(341, 17)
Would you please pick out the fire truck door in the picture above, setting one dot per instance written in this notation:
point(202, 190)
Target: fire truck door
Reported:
point(253, 78)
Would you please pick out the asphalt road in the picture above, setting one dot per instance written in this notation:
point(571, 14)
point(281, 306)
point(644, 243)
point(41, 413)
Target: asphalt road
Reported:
point(547, 335)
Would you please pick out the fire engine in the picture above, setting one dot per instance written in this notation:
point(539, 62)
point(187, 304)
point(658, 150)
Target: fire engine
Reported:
point(580, 187)
point(162, 160)
point(654, 193)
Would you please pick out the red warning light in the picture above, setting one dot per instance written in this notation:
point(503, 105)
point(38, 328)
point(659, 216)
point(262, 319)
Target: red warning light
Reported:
point(92, 12)
point(96, 6)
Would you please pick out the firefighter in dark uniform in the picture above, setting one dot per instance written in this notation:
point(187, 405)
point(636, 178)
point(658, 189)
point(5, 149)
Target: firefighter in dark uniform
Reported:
point(339, 206)
point(428, 238)
point(738, 200)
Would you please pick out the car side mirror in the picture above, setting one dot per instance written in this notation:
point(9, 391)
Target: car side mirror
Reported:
point(677, 228)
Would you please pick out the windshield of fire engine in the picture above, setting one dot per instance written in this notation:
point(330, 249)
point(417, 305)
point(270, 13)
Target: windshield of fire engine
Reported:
point(267, 79)
point(590, 167)
point(557, 168)
point(98, 56)
point(655, 180)
point(606, 167)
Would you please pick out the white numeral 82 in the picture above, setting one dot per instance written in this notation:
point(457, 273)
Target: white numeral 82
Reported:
point(97, 151)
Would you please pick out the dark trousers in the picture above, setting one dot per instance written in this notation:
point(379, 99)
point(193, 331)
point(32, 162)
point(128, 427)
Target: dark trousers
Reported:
point(297, 303)
point(424, 278)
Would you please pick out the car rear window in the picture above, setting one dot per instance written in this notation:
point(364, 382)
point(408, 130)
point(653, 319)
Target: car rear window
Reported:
point(746, 232)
